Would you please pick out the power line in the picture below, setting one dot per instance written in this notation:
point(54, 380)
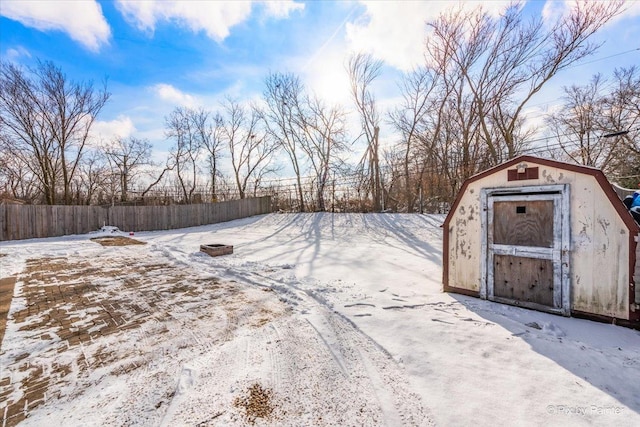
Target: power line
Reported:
point(603, 58)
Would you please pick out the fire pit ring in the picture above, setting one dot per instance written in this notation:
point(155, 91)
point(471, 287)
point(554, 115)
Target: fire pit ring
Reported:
point(216, 249)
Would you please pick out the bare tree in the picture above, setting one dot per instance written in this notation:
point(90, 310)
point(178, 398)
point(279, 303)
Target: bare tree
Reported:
point(284, 96)
point(126, 157)
point(16, 180)
point(208, 132)
point(45, 120)
point(579, 127)
point(169, 166)
point(505, 61)
point(363, 70)
point(326, 139)
point(93, 176)
point(250, 146)
point(622, 116)
point(184, 125)
point(599, 125)
point(484, 72)
point(410, 121)
point(450, 138)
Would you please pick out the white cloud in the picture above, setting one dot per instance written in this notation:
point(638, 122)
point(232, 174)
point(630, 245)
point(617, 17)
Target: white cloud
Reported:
point(106, 131)
point(215, 18)
point(14, 54)
point(169, 93)
point(535, 117)
point(281, 9)
point(556, 9)
point(391, 31)
point(81, 20)
point(553, 10)
point(631, 10)
point(395, 31)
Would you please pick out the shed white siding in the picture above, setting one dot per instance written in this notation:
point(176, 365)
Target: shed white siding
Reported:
point(599, 271)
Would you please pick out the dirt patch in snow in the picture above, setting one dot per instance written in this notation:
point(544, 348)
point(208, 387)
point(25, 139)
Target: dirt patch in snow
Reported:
point(117, 241)
point(257, 403)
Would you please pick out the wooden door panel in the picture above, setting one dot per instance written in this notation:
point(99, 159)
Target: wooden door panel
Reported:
point(523, 279)
point(523, 223)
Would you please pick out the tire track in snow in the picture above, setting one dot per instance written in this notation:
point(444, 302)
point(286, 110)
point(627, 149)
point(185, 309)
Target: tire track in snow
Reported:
point(355, 354)
point(341, 357)
point(273, 340)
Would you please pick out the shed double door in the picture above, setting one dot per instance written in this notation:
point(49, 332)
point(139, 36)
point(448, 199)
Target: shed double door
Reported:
point(524, 250)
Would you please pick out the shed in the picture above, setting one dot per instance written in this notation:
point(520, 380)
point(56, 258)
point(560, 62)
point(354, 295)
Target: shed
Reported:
point(546, 235)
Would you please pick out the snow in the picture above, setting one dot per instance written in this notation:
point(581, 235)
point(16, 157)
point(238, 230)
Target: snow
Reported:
point(341, 315)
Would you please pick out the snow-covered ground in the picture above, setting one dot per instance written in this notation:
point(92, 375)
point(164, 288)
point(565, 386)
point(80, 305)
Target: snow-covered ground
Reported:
point(339, 318)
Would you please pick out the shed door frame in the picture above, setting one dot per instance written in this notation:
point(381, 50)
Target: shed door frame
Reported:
point(560, 252)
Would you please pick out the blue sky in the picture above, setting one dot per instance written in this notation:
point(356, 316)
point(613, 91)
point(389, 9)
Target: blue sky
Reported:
point(158, 55)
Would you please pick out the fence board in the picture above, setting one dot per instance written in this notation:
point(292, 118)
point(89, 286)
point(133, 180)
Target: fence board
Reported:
point(33, 221)
point(3, 221)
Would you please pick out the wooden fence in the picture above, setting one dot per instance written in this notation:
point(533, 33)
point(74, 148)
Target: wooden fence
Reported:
point(31, 221)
